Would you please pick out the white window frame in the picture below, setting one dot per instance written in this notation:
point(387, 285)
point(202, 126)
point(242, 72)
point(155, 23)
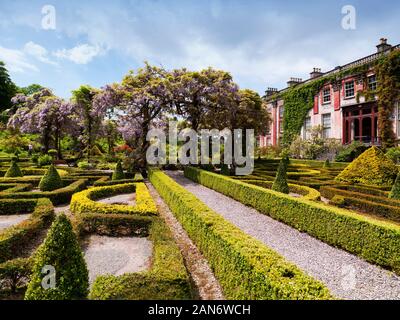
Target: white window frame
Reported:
point(326, 96)
point(372, 85)
point(324, 127)
point(347, 89)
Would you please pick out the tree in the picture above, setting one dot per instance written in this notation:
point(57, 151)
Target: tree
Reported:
point(89, 117)
point(31, 89)
point(45, 114)
point(7, 88)
point(61, 251)
point(196, 96)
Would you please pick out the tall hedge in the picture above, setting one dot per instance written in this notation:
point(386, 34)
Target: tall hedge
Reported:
point(51, 180)
point(280, 183)
point(118, 172)
point(61, 250)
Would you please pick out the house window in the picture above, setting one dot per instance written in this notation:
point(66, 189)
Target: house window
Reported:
point(372, 83)
point(326, 95)
point(307, 128)
point(349, 89)
point(281, 112)
point(326, 125)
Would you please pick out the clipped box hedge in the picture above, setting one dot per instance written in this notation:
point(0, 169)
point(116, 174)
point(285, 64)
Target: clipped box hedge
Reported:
point(57, 197)
point(371, 204)
point(306, 192)
point(85, 201)
point(375, 241)
point(166, 280)
point(13, 239)
point(245, 267)
point(106, 182)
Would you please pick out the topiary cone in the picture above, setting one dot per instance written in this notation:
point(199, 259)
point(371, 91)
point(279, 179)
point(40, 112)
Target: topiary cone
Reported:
point(280, 183)
point(51, 180)
point(13, 171)
point(61, 251)
point(395, 192)
point(118, 172)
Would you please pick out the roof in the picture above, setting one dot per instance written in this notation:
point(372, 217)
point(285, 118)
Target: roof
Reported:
point(359, 62)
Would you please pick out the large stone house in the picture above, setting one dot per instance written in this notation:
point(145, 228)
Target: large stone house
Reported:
point(338, 108)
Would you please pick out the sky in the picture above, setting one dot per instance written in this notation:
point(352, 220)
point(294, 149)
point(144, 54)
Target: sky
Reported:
point(261, 43)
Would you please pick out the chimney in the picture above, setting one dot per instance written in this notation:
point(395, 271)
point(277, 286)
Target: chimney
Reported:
point(316, 73)
point(294, 81)
point(270, 92)
point(383, 45)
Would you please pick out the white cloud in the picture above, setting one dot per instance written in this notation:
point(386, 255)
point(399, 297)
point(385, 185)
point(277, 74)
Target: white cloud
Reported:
point(81, 54)
point(16, 60)
point(39, 52)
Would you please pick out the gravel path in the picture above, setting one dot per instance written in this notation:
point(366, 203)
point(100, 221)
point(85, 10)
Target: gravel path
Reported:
point(12, 220)
point(203, 279)
point(116, 256)
point(128, 199)
point(346, 275)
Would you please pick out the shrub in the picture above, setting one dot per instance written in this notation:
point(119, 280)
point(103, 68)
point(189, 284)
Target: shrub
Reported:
point(280, 183)
point(51, 180)
point(35, 159)
point(45, 160)
point(84, 202)
point(350, 152)
point(374, 240)
point(245, 267)
point(85, 165)
point(394, 154)
point(13, 171)
point(118, 172)
point(395, 192)
point(370, 168)
point(61, 250)
point(14, 273)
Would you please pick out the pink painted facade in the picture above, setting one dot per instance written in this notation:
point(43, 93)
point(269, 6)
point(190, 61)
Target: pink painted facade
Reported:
point(339, 108)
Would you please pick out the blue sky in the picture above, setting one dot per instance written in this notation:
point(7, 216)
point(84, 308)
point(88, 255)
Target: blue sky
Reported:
point(262, 43)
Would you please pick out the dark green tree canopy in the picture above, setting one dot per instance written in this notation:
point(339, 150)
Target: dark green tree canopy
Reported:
point(7, 88)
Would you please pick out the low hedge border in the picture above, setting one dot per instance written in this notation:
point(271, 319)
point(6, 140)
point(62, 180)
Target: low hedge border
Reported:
point(379, 206)
point(13, 239)
point(17, 206)
point(106, 182)
point(19, 187)
point(306, 192)
point(375, 241)
point(166, 280)
point(245, 267)
point(84, 202)
point(57, 197)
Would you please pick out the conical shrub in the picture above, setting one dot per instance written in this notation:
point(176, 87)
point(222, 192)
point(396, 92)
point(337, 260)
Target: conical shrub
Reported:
point(395, 192)
point(51, 180)
point(327, 164)
point(280, 183)
point(118, 172)
point(61, 251)
point(14, 170)
point(372, 167)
